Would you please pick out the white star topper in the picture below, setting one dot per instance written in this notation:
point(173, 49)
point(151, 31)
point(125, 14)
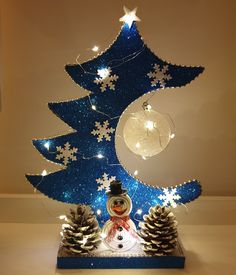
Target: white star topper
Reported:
point(129, 17)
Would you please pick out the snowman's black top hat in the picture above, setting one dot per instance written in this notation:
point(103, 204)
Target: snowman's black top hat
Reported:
point(116, 188)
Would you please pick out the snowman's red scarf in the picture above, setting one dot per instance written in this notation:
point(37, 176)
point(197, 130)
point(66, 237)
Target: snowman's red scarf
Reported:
point(119, 222)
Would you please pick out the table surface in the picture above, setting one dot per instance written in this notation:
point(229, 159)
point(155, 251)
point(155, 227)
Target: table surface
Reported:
point(32, 249)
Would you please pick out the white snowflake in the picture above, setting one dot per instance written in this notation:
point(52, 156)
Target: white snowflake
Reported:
point(66, 153)
point(169, 197)
point(104, 182)
point(159, 75)
point(106, 79)
point(102, 131)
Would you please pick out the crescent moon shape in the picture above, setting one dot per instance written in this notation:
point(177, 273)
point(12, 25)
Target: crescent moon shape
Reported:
point(88, 154)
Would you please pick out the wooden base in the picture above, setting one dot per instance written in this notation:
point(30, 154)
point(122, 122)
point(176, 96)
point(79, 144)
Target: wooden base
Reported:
point(135, 258)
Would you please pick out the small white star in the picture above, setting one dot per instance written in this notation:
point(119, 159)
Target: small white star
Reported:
point(129, 17)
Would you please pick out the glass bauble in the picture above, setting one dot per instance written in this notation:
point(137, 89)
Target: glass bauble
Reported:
point(147, 133)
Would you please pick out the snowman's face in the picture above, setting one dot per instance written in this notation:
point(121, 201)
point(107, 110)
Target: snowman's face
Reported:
point(119, 205)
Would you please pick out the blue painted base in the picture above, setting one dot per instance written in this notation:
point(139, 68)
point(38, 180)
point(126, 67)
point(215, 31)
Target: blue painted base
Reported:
point(118, 261)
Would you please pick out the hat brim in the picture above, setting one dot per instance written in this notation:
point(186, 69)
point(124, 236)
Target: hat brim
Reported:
point(123, 191)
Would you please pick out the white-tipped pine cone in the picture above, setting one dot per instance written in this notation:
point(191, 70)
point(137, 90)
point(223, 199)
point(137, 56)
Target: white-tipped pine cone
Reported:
point(81, 232)
point(158, 231)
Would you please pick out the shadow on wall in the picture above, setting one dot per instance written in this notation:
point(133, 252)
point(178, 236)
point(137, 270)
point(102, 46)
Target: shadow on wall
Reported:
point(216, 119)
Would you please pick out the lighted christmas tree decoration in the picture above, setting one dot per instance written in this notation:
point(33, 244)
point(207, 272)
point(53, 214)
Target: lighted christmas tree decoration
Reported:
point(92, 174)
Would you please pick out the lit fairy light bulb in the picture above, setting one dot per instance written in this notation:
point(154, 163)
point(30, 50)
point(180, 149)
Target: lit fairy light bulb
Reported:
point(100, 156)
point(103, 73)
point(62, 217)
point(137, 145)
point(65, 225)
point(139, 211)
point(149, 107)
point(136, 172)
point(99, 211)
point(149, 125)
point(103, 235)
point(44, 173)
point(84, 241)
point(47, 145)
point(144, 158)
point(94, 107)
point(172, 136)
point(95, 48)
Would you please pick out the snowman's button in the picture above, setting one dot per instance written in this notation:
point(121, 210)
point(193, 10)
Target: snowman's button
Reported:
point(120, 238)
point(120, 246)
point(120, 228)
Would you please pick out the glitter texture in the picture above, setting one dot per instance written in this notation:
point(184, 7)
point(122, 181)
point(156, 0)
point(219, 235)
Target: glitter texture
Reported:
point(130, 60)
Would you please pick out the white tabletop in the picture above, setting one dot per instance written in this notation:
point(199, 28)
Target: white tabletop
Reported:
point(32, 249)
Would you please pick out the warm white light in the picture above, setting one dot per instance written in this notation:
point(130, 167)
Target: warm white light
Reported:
point(136, 172)
point(44, 173)
point(103, 235)
point(100, 156)
point(143, 157)
point(137, 145)
point(47, 145)
point(129, 17)
point(95, 48)
point(172, 136)
point(103, 73)
point(84, 240)
point(61, 233)
point(93, 107)
point(99, 212)
point(62, 217)
point(149, 107)
point(149, 125)
point(65, 225)
point(139, 211)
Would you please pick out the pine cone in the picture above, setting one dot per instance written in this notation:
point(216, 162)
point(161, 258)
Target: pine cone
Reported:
point(158, 231)
point(81, 233)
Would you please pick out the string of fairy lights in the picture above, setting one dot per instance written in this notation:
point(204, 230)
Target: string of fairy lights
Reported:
point(149, 125)
point(128, 19)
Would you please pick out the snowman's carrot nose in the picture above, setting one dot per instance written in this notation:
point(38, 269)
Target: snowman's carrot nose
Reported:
point(116, 208)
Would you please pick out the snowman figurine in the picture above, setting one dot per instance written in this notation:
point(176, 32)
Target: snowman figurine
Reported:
point(120, 231)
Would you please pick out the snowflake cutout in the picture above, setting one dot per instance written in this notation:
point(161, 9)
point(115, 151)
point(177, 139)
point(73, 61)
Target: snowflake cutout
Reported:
point(102, 131)
point(169, 197)
point(106, 79)
point(159, 75)
point(104, 182)
point(66, 153)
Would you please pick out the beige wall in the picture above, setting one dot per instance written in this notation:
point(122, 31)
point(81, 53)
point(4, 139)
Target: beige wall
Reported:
point(39, 37)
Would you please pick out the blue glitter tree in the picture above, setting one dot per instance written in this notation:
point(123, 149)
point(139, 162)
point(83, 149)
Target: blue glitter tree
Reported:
point(127, 70)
